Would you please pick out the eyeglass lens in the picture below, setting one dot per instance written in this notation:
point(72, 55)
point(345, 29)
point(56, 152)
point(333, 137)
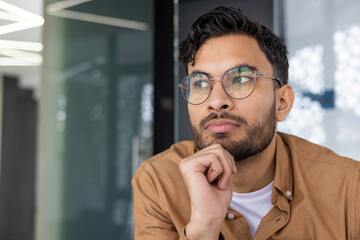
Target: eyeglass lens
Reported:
point(237, 82)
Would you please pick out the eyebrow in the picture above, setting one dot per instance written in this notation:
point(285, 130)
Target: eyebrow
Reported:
point(252, 68)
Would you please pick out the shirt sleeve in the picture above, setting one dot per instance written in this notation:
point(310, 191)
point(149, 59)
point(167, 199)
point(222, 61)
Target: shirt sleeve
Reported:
point(152, 222)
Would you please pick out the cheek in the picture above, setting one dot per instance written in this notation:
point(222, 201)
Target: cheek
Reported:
point(197, 114)
point(263, 97)
point(248, 107)
point(194, 115)
point(254, 107)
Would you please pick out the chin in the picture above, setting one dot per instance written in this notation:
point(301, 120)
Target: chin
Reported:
point(221, 138)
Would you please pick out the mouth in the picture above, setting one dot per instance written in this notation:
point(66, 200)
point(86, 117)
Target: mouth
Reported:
point(220, 126)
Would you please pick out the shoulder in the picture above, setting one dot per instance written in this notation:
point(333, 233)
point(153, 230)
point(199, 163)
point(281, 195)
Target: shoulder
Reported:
point(158, 180)
point(167, 161)
point(302, 150)
point(320, 175)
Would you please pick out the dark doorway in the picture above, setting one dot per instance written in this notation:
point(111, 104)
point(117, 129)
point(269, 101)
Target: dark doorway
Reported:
point(17, 162)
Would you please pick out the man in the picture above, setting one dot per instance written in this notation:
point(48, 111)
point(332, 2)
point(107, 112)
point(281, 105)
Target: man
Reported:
point(240, 179)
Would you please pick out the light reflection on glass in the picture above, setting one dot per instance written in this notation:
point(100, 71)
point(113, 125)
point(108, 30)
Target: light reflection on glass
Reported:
point(348, 132)
point(147, 111)
point(305, 120)
point(306, 69)
point(97, 113)
point(61, 113)
point(347, 74)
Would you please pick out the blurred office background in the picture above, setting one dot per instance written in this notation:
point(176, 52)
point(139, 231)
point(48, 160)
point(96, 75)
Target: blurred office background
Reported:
point(89, 91)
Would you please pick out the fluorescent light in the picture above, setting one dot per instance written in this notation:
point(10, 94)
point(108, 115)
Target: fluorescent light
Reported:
point(25, 19)
point(22, 13)
point(54, 7)
point(21, 45)
point(7, 61)
point(58, 9)
point(9, 17)
point(88, 17)
point(18, 54)
point(14, 27)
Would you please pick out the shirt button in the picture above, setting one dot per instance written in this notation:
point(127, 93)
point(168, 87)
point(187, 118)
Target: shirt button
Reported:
point(288, 193)
point(230, 216)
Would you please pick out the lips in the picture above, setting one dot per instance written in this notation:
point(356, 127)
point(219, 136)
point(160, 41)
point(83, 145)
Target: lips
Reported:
point(221, 125)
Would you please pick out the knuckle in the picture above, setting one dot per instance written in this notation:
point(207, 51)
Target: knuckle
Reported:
point(217, 170)
point(223, 151)
point(212, 155)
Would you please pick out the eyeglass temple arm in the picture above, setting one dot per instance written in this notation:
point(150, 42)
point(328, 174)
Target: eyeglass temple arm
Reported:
point(278, 80)
point(274, 78)
point(181, 86)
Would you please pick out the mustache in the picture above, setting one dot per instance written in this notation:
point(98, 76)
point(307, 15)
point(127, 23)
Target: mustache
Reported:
point(224, 115)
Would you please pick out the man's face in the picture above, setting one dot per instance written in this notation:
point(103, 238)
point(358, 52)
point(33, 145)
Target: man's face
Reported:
point(243, 127)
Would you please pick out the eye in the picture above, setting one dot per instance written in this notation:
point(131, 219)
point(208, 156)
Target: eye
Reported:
point(242, 79)
point(200, 83)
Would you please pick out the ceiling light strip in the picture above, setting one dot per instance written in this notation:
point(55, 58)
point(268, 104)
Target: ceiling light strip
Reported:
point(31, 57)
point(63, 4)
point(21, 45)
point(19, 26)
point(23, 14)
point(88, 17)
point(9, 17)
point(5, 61)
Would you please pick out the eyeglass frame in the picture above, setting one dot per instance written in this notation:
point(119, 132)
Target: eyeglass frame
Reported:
point(222, 81)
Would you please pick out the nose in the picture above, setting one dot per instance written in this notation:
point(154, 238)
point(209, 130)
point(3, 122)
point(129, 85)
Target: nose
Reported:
point(219, 100)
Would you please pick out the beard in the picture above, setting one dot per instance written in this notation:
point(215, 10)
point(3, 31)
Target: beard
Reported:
point(257, 137)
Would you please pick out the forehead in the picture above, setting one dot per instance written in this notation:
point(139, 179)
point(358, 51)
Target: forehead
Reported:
point(219, 54)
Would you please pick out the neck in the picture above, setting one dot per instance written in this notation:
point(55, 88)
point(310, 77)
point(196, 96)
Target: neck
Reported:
point(255, 172)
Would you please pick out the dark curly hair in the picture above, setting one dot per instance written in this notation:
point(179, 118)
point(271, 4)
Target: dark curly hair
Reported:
point(228, 20)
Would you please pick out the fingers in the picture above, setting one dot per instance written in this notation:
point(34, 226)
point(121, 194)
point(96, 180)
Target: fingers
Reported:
point(215, 170)
point(214, 162)
point(221, 170)
point(222, 151)
point(206, 175)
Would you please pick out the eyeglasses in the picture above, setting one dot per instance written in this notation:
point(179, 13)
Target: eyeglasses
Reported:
point(238, 83)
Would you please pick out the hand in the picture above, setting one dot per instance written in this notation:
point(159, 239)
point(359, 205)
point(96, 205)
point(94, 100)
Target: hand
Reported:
point(207, 177)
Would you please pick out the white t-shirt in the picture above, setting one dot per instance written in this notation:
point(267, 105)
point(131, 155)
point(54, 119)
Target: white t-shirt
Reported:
point(253, 206)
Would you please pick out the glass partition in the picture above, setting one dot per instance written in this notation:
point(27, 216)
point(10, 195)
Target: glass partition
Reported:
point(96, 116)
point(323, 39)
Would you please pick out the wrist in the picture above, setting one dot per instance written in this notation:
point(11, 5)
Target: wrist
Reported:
point(202, 231)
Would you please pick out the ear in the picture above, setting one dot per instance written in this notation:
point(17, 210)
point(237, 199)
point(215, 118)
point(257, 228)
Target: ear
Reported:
point(284, 101)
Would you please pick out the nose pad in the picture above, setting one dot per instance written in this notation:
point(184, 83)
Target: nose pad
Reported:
point(213, 81)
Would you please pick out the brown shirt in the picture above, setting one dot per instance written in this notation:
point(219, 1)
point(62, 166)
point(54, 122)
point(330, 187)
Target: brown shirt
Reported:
point(316, 195)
